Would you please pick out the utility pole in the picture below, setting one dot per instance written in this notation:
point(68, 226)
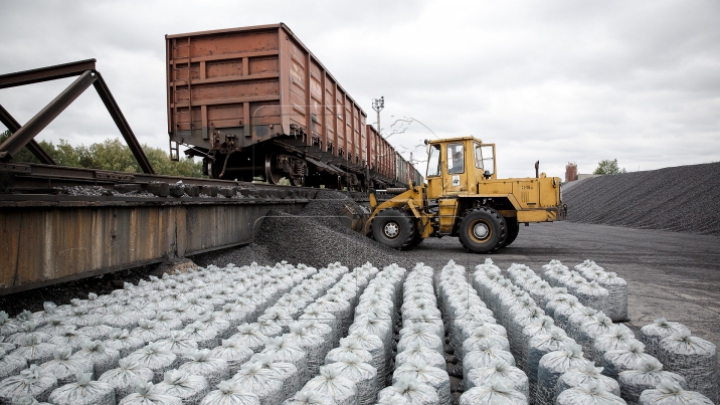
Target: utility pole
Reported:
point(378, 105)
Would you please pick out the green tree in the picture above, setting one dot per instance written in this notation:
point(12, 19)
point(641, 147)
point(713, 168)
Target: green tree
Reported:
point(609, 167)
point(111, 154)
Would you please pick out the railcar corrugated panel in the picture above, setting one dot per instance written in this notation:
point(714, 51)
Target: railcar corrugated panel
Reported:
point(244, 86)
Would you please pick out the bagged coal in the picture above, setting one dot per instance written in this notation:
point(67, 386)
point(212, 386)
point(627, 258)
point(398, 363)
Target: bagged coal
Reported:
point(149, 395)
point(616, 361)
point(541, 345)
point(308, 398)
point(84, 392)
point(498, 371)
point(432, 376)
point(588, 395)
point(149, 332)
point(34, 351)
point(11, 365)
point(191, 389)
point(329, 383)
point(233, 353)
point(577, 319)
point(363, 375)
point(586, 376)
point(348, 349)
point(318, 329)
point(230, 393)
point(27, 329)
point(693, 358)
point(495, 394)
point(206, 338)
point(127, 378)
point(178, 343)
point(25, 399)
point(248, 336)
point(65, 367)
point(617, 305)
point(549, 369)
point(7, 325)
point(263, 382)
point(539, 327)
point(619, 339)
point(421, 354)
point(672, 394)
point(592, 329)
point(32, 381)
point(156, 359)
point(202, 363)
point(395, 399)
point(482, 336)
point(522, 319)
point(103, 358)
point(374, 346)
point(282, 350)
point(564, 308)
point(123, 342)
point(647, 376)
point(653, 333)
point(96, 329)
point(69, 338)
point(414, 391)
point(314, 346)
point(420, 334)
point(287, 373)
point(484, 355)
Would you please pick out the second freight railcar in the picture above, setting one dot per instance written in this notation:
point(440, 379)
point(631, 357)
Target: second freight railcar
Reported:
point(255, 103)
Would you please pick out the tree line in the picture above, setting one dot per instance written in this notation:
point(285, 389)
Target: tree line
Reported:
point(111, 154)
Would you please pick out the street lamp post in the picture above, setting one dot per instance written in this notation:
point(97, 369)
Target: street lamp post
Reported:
point(377, 105)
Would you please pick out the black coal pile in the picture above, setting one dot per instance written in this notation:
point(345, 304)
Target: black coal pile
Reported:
point(239, 256)
point(316, 237)
point(680, 199)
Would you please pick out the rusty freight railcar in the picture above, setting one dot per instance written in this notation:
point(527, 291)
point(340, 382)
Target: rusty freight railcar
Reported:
point(254, 102)
point(381, 160)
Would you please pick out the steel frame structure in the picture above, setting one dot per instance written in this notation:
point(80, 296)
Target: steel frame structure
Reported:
point(23, 135)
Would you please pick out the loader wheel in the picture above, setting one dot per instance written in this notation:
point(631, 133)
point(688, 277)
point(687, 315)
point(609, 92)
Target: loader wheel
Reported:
point(513, 229)
point(418, 238)
point(482, 230)
point(394, 228)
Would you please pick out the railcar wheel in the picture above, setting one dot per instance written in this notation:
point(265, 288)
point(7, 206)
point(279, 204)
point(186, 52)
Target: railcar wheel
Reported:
point(482, 230)
point(513, 229)
point(394, 228)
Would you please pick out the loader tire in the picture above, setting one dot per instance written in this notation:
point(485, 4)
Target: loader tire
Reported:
point(482, 230)
point(418, 238)
point(394, 228)
point(513, 229)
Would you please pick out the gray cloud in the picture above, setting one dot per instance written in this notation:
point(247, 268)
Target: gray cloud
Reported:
point(556, 81)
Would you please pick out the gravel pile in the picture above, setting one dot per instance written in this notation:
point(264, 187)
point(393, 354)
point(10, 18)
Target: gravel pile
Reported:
point(680, 199)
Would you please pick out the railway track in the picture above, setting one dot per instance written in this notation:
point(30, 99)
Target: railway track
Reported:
point(39, 182)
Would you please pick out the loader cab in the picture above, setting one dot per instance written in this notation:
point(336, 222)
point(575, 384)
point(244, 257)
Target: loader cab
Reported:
point(457, 165)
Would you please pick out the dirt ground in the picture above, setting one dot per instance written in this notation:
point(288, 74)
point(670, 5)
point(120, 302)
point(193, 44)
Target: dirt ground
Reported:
point(669, 274)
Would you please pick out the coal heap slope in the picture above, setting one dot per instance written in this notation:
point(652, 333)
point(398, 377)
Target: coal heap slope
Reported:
point(681, 199)
point(316, 237)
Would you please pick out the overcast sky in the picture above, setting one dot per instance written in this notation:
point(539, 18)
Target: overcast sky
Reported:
point(554, 81)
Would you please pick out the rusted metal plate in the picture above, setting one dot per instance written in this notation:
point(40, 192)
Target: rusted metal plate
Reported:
point(41, 246)
point(247, 85)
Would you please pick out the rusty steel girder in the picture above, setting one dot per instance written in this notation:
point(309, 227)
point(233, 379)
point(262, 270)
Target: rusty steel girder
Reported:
point(24, 135)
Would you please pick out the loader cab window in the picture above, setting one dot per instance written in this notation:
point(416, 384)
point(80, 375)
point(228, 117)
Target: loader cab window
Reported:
point(484, 158)
point(456, 158)
point(433, 168)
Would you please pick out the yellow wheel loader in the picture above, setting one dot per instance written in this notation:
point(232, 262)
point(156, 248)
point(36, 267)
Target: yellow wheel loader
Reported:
point(463, 197)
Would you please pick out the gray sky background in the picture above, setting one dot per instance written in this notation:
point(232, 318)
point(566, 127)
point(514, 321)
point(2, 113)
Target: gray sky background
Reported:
point(554, 81)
